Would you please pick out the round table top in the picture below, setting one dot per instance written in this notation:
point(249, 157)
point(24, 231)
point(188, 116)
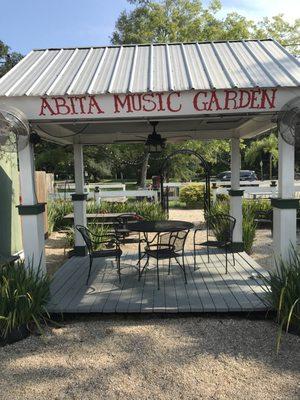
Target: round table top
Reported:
point(159, 226)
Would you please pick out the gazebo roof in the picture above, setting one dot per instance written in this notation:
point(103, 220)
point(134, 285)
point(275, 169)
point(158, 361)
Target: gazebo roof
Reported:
point(152, 68)
point(206, 90)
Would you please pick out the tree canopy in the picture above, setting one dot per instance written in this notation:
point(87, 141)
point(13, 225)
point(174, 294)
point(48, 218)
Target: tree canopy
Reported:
point(190, 21)
point(8, 58)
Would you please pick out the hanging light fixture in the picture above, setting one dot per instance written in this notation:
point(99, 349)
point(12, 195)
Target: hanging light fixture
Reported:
point(155, 143)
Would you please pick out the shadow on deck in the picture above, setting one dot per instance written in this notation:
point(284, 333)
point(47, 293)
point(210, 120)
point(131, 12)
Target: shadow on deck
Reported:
point(208, 289)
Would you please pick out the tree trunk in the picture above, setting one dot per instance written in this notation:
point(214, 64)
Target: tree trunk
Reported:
point(143, 172)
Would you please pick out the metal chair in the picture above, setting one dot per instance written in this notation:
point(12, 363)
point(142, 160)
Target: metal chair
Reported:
point(219, 233)
point(122, 232)
point(111, 241)
point(168, 246)
point(263, 218)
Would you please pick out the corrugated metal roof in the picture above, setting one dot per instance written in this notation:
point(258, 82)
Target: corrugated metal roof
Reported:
point(155, 67)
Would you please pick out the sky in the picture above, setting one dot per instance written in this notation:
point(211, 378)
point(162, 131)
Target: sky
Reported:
point(32, 24)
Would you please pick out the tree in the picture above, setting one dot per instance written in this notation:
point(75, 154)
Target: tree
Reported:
point(8, 59)
point(189, 20)
point(265, 149)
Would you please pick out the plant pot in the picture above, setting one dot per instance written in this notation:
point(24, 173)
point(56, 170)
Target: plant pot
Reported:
point(15, 335)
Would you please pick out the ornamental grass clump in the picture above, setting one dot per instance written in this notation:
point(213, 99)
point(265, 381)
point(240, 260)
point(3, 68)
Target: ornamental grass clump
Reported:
point(249, 226)
point(24, 293)
point(56, 210)
point(149, 211)
point(283, 293)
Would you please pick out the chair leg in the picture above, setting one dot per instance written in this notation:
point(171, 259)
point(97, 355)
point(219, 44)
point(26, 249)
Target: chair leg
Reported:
point(141, 270)
point(157, 271)
point(169, 269)
point(207, 254)
point(88, 278)
point(194, 257)
point(183, 268)
point(119, 268)
point(233, 257)
point(226, 259)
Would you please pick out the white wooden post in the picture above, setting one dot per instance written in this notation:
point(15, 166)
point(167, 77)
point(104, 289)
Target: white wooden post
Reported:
point(79, 199)
point(285, 206)
point(31, 212)
point(236, 194)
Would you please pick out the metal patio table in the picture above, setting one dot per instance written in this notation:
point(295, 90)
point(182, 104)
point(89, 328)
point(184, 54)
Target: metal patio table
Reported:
point(163, 250)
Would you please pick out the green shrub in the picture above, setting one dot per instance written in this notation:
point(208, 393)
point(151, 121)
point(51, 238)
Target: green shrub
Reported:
point(56, 211)
point(249, 230)
point(97, 229)
point(192, 195)
point(249, 226)
point(24, 293)
point(252, 206)
point(222, 197)
point(149, 211)
point(283, 293)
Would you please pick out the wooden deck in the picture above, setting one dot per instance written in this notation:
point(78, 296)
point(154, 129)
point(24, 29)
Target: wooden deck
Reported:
point(208, 289)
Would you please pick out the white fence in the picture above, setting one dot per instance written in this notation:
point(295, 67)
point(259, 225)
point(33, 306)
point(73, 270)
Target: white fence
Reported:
point(254, 192)
point(110, 195)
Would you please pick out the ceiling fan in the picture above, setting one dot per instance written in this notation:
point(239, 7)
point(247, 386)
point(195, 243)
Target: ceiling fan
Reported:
point(14, 129)
point(153, 139)
point(288, 122)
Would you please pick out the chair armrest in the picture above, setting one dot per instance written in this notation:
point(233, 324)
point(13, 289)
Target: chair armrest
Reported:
point(160, 245)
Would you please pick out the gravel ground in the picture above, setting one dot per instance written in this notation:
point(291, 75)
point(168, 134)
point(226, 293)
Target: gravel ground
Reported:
point(175, 358)
point(152, 358)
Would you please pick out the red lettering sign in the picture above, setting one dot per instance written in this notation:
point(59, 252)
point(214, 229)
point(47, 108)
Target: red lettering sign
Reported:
point(202, 101)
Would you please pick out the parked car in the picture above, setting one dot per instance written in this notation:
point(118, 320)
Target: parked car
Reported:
point(245, 175)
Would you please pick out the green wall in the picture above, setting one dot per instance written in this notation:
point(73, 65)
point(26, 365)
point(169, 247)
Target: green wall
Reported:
point(10, 223)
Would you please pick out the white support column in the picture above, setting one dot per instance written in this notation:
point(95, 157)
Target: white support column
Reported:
point(79, 199)
point(31, 212)
point(236, 195)
point(285, 206)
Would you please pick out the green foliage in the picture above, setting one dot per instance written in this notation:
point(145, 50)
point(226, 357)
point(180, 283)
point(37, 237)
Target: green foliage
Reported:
point(283, 293)
point(263, 149)
point(249, 229)
point(99, 230)
point(59, 208)
point(190, 20)
point(192, 195)
point(149, 211)
point(56, 211)
point(8, 58)
point(250, 207)
point(24, 293)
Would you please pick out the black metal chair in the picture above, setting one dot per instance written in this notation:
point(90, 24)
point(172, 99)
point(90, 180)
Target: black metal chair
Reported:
point(111, 243)
point(263, 218)
point(219, 233)
point(124, 235)
point(169, 246)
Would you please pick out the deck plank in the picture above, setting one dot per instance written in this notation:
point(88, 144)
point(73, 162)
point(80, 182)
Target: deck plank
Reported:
point(208, 289)
point(204, 294)
point(233, 281)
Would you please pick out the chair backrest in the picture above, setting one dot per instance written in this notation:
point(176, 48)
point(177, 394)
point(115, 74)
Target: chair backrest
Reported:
point(86, 235)
point(221, 226)
point(122, 219)
point(178, 239)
